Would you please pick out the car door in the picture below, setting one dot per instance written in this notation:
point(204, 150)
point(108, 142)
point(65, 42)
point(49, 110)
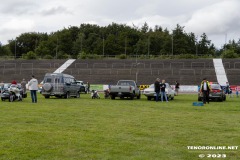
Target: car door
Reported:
point(73, 87)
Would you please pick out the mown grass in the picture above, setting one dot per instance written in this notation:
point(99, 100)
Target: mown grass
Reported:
point(63, 129)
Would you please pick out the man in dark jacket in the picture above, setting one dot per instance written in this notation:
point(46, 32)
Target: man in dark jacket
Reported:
point(157, 88)
point(205, 89)
point(176, 87)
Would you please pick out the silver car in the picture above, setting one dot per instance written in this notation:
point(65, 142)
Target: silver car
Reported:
point(151, 94)
point(216, 94)
point(82, 86)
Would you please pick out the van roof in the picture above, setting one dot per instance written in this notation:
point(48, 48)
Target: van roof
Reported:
point(59, 74)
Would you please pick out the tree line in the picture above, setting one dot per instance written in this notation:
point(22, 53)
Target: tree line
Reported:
point(89, 41)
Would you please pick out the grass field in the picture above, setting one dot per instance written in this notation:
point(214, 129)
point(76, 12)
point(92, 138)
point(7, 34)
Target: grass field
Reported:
point(66, 129)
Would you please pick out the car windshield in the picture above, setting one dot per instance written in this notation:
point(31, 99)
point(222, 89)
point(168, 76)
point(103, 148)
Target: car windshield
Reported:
point(79, 82)
point(216, 86)
point(151, 86)
point(6, 85)
point(126, 83)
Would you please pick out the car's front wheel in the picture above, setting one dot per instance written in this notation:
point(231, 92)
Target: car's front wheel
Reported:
point(67, 95)
point(78, 95)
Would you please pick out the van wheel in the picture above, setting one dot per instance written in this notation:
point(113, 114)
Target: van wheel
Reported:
point(149, 98)
point(78, 95)
point(67, 95)
point(47, 97)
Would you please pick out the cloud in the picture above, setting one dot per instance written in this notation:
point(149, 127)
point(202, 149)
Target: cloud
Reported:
point(21, 24)
point(219, 18)
point(164, 22)
point(15, 27)
point(17, 7)
point(55, 10)
point(215, 17)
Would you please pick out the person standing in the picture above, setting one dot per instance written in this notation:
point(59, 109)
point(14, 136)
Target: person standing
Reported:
point(237, 91)
point(177, 87)
point(88, 87)
point(163, 92)
point(33, 87)
point(205, 89)
point(157, 88)
point(228, 90)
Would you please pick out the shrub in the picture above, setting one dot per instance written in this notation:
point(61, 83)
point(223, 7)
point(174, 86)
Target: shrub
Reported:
point(122, 56)
point(186, 56)
point(82, 55)
point(48, 57)
point(30, 55)
point(229, 54)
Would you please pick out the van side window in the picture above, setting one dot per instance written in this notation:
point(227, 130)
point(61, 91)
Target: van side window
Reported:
point(48, 80)
point(71, 80)
point(66, 80)
point(57, 80)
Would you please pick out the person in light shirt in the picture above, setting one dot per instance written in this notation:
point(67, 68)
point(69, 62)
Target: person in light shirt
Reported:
point(205, 89)
point(33, 87)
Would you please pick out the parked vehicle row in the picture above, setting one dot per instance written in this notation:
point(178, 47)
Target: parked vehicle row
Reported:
point(64, 86)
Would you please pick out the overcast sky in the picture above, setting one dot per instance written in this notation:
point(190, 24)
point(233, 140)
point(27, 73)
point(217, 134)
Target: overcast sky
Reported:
point(219, 19)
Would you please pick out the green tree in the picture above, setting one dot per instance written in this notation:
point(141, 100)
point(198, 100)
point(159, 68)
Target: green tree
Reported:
point(180, 40)
point(205, 47)
point(26, 42)
point(229, 53)
point(5, 50)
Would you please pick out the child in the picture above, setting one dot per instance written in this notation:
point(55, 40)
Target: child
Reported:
point(236, 91)
point(230, 93)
